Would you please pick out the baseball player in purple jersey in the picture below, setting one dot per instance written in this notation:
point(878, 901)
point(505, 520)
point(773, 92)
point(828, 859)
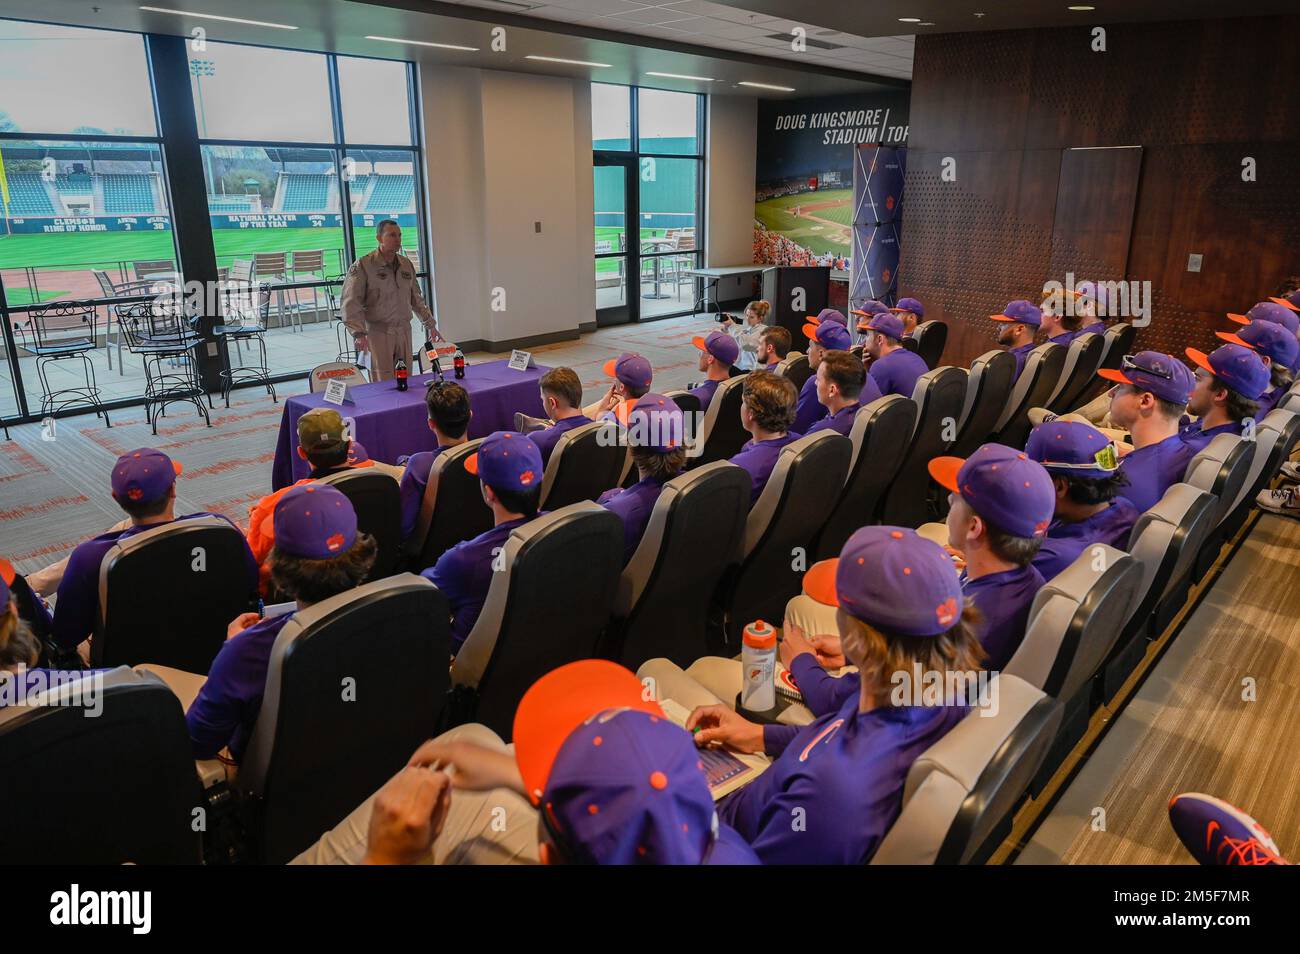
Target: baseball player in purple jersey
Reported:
point(767, 412)
point(893, 367)
point(718, 352)
point(656, 433)
point(1278, 349)
point(1019, 323)
point(1229, 383)
point(449, 415)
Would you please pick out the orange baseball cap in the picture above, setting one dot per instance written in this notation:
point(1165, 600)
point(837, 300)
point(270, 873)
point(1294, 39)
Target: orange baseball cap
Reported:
point(1285, 303)
point(944, 470)
point(819, 582)
point(563, 700)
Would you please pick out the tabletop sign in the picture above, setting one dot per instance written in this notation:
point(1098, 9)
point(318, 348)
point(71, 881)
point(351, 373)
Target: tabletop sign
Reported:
point(520, 360)
point(336, 392)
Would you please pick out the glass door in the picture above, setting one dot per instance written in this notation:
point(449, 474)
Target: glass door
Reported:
point(617, 252)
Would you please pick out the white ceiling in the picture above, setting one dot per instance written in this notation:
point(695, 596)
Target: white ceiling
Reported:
point(723, 27)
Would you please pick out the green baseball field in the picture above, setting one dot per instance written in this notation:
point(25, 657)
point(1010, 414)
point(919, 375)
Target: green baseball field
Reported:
point(823, 223)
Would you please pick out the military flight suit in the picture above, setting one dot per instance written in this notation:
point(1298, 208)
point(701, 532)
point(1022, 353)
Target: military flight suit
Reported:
point(378, 299)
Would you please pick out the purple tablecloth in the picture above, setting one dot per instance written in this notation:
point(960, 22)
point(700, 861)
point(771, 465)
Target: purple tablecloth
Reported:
point(390, 423)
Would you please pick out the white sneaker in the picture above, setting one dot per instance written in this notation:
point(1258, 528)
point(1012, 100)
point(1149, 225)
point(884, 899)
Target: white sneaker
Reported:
point(1291, 470)
point(1285, 501)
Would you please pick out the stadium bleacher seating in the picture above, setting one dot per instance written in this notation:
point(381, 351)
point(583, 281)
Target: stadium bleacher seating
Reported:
point(229, 203)
point(128, 194)
point(28, 196)
point(392, 194)
point(303, 192)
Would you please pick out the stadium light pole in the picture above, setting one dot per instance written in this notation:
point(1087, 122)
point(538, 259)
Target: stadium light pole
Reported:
point(200, 69)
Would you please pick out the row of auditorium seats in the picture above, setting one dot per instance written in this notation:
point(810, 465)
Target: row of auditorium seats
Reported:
point(706, 560)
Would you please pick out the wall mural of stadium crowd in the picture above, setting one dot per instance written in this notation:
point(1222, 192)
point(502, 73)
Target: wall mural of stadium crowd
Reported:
point(803, 202)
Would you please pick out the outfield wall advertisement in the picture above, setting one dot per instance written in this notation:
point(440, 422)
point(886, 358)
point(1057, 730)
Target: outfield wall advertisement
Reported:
point(803, 202)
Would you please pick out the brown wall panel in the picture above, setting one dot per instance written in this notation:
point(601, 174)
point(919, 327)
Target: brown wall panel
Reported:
point(1198, 96)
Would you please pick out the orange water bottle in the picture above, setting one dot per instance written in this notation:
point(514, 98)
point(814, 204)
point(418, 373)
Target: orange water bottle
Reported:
point(758, 660)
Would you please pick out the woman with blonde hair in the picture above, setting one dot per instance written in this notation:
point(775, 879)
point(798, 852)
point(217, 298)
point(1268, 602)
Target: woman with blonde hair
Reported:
point(747, 335)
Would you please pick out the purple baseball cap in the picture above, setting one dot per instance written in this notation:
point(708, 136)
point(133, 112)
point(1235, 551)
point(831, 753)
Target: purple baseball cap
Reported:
point(1268, 338)
point(1096, 293)
point(909, 304)
point(1270, 311)
point(1069, 448)
point(656, 423)
point(630, 369)
point(315, 521)
point(830, 335)
point(1004, 486)
point(1021, 312)
point(1216, 833)
point(887, 324)
point(828, 314)
point(719, 344)
point(143, 475)
point(1237, 366)
point(1162, 374)
point(357, 454)
point(507, 461)
point(893, 579)
point(626, 788)
point(869, 307)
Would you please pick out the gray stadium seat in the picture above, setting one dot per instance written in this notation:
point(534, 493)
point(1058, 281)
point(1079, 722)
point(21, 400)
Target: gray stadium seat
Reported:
point(1036, 382)
point(524, 631)
point(938, 395)
point(377, 499)
point(452, 510)
point(317, 750)
point(585, 462)
point(167, 594)
point(795, 367)
point(789, 513)
point(1074, 623)
point(694, 537)
point(685, 400)
point(988, 387)
point(1116, 342)
point(1275, 436)
point(114, 789)
point(1082, 359)
point(879, 429)
point(1221, 468)
point(1164, 541)
point(721, 436)
point(962, 792)
point(930, 338)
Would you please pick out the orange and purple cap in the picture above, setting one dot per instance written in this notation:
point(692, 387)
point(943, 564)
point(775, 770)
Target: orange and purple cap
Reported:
point(1162, 374)
point(911, 305)
point(893, 579)
point(719, 344)
point(656, 423)
point(630, 369)
point(831, 335)
point(314, 521)
point(7, 576)
point(507, 461)
point(143, 476)
point(1237, 366)
point(828, 314)
point(1273, 311)
point(1022, 312)
point(1003, 485)
point(1266, 337)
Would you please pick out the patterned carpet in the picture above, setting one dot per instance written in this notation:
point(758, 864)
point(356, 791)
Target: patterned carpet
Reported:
point(54, 493)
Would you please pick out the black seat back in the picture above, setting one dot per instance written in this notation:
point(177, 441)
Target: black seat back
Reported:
point(167, 594)
point(879, 429)
point(1082, 359)
point(930, 338)
point(114, 788)
point(453, 508)
point(796, 368)
point(524, 631)
point(789, 514)
point(685, 400)
point(722, 433)
point(1035, 385)
point(988, 386)
point(694, 537)
point(355, 684)
point(939, 396)
point(377, 499)
point(585, 462)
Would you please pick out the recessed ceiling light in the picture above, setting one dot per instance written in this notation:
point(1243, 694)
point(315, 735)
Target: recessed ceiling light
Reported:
point(926, 23)
point(213, 16)
point(909, 19)
point(1082, 9)
point(556, 59)
point(441, 46)
point(702, 79)
point(781, 89)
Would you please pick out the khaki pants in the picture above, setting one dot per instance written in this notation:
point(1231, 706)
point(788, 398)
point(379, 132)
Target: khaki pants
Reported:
point(482, 828)
point(388, 345)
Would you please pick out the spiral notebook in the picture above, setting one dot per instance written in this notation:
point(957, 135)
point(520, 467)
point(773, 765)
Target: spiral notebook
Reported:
point(725, 770)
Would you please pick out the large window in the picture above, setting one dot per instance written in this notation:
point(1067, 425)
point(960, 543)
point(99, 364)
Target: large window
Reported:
point(291, 200)
point(301, 153)
point(648, 148)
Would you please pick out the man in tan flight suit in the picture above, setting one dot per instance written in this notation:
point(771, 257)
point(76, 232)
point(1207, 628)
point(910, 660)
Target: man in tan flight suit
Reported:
point(379, 295)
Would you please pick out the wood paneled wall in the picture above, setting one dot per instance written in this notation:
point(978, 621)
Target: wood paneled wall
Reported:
point(1199, 96)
